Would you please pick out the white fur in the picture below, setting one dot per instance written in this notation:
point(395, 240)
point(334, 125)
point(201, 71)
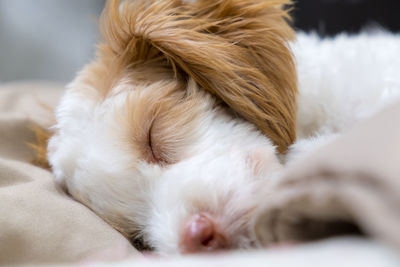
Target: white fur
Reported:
point(342, 80)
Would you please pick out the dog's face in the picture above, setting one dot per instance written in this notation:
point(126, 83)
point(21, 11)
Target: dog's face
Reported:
point(151, 159)
point(153, 153)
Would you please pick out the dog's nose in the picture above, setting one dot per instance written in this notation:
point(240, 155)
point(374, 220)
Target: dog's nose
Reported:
point(201, 234)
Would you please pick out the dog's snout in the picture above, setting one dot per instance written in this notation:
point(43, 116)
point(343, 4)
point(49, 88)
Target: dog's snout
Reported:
point(201, 234)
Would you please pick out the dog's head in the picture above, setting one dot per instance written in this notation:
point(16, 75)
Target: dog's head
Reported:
point(154, 135)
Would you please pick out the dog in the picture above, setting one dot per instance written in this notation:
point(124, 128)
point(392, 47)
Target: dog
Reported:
point(179, 127)
point(163, 135)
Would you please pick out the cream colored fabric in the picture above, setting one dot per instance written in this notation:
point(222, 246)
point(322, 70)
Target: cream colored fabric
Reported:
point(355, 179)
point(341, 252)
point(38, 223)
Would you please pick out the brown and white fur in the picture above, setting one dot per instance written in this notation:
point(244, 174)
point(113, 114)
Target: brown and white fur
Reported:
point(164, 133)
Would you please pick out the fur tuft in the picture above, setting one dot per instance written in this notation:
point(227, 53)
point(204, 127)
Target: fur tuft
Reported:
point(235, 49)
point(40, 146)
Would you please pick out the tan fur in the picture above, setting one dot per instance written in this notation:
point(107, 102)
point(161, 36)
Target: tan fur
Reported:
point(239, 55)
point(39, 147)
point(161, 119)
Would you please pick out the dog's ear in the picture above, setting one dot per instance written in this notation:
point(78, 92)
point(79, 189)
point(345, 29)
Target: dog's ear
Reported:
point(266, 91)
point(235, 49)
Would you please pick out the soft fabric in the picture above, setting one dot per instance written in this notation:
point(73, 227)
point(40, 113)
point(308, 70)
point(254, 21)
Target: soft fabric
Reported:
point(38, 222)
point(346, 252)
point(353, 181)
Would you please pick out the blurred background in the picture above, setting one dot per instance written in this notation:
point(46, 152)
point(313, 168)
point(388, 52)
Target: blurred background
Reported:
point(46, 39)
point(53, 39)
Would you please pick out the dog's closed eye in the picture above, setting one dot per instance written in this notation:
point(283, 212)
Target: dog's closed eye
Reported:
point(157, 153)
point(154, 153)
point(158, 122)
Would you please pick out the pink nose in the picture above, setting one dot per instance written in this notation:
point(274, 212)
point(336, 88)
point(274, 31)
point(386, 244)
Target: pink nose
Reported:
point(200, 234)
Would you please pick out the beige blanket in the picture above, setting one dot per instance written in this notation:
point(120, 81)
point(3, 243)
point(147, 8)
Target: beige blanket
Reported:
point(39, 224)
point(351, 183)
point(355, 180)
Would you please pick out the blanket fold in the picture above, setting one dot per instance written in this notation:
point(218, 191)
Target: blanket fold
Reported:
point(351, 185)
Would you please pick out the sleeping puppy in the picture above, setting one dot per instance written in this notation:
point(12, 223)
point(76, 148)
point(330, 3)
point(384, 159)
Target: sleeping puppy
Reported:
point(171, 133)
